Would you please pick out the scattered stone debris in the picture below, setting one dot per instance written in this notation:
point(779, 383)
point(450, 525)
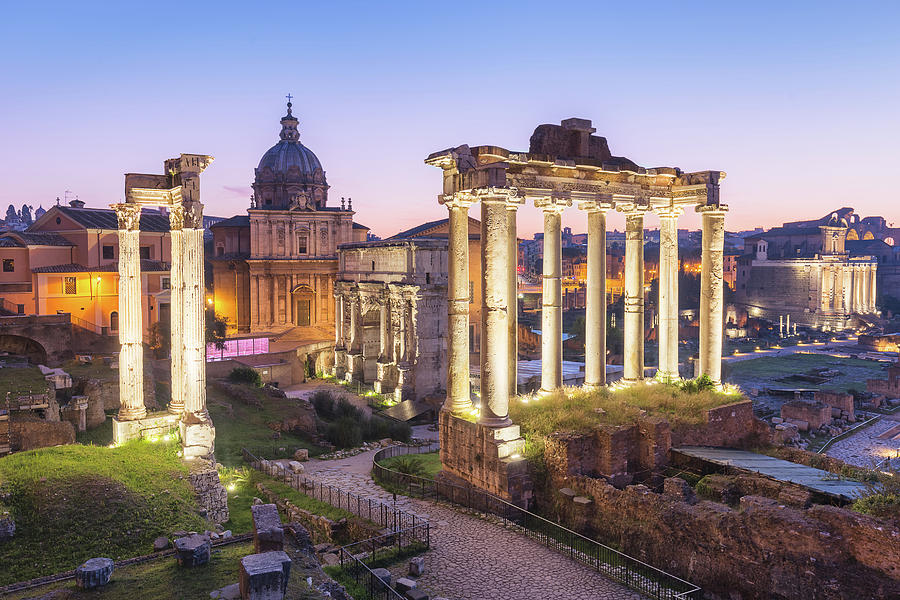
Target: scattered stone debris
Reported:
point(193, 550)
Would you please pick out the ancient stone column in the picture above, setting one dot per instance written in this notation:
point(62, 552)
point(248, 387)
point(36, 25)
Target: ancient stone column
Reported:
point(595, 297)
point(668, 293)
point(711, 290)
point(339, 350)
point(873, 271)
point(131, 355)
point(384, 343)
point(458, 395)
point(197, 432)
point(633, 360)
point(513, 299)
point(847, 289)
point(551, 308)
point(176, 309)
point(354, 352)
point(495, 304)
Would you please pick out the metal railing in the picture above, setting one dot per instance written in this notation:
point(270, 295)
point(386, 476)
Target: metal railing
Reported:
point(393, 546)
point(384, 515)
point(87, 325)
point(620, 567)
point(846, 434)
point(406, 529)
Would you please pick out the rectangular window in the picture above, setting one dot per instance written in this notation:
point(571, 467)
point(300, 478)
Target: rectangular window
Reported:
point(301, 244)
point(145, 252)
point(9, 265)
point(109, 252)
point(70, 285)
point(166, 283)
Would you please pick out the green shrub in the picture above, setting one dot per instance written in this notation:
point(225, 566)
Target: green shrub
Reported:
point(882, 506)
point(323, 402)
point(245, 375)
point(345, 408)
point(344, 433)
point(695, 386)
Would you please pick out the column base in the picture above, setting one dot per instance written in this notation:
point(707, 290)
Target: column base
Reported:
point(666, 377)
point(131, 414)
point(154, 425)
point(495, 422)
point(491, 459)
point(175, 409)
point(197, 437)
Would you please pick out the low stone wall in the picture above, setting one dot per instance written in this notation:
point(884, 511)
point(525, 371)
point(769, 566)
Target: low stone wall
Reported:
point(842, 405)
point(491, 459)
point(806, 415)
point(624, 452)
point(321, 529)
point(762, 550)
point(28, 435)
point(212, 497)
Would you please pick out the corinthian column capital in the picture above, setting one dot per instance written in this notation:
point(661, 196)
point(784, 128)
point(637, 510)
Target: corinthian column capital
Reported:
point(669, 212)
point(129, 216)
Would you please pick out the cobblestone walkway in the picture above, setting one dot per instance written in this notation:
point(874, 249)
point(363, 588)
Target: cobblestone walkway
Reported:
point(864, 449)
point(474, 559)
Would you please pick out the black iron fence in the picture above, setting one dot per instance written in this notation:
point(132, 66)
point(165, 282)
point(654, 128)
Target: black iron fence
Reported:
point(409, 534)
point(620, 567)
point(358, 560)
point(383, 514)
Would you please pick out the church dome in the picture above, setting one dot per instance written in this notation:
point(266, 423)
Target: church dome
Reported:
point(286, 154)
point(289, 154)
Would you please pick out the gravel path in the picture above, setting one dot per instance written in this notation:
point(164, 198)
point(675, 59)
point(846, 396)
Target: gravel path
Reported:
point(475, 559)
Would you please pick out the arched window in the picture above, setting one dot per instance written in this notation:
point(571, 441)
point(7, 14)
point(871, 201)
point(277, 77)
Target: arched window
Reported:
point(114, 321)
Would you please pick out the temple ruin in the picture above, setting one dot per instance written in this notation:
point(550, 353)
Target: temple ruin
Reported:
point(178, 191)
point(565, 165)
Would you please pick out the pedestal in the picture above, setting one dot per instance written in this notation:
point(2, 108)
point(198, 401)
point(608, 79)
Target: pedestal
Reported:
point(153, 425)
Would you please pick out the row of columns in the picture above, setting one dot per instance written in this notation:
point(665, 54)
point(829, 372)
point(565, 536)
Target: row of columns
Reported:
point(847, 288)
point(498, 344)
point(188, 320)
point(273, 302)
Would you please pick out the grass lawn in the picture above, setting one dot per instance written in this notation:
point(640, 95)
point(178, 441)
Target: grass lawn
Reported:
point(76, 502)
point(239, 425)
point(95, 370)
point(102, 435)
point(161, 578)
point(241, 486)
point(426, 465)
point(21, 381)
point(766, 371)
point(582, 411)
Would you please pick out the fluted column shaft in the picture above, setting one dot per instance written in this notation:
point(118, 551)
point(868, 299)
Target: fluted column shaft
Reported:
point(711, 291)
point(194, 325)
point(458, 395)
point(633, 360)
point(131, 355)
point(495, 310)
point(384, 330)
point(513, 273)
point(176, 311)
point(595, 298)
point(338, 321)
point(873, 272)
point(355, 321)
point(551, 307)
point(668, 294)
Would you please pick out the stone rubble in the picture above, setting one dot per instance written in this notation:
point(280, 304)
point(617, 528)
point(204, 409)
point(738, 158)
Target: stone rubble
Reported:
point(94, 573)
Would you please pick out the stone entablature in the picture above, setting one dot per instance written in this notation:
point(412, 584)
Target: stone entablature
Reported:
point(391, 307)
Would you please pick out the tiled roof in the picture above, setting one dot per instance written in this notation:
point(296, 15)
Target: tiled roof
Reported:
point(418, 229)
point(103, 218)
point(31, 238)
point(235, 221)
point(147, 266)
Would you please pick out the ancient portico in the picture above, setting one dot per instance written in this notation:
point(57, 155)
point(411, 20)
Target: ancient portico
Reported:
point(566, 165)
point(391, 308)
point(178, 191)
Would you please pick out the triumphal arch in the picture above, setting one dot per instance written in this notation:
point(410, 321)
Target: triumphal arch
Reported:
point(566, 165)
point(178, 191)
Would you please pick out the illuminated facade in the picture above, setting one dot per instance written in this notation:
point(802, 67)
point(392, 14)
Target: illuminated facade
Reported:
point(274, 269)
point(67, 261)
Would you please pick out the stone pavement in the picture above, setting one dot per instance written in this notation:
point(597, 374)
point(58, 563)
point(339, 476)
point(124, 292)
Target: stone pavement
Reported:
point(864, 449)
point(475, 559)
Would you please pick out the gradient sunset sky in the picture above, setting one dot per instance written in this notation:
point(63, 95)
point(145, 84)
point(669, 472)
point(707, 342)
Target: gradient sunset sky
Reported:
point(799, 102)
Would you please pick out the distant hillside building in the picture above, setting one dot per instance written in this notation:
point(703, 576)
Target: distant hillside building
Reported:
point(805, 270)
point(274, 268)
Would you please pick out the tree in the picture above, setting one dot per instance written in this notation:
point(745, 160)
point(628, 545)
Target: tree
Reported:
point(26, 214)
point(11, 213)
